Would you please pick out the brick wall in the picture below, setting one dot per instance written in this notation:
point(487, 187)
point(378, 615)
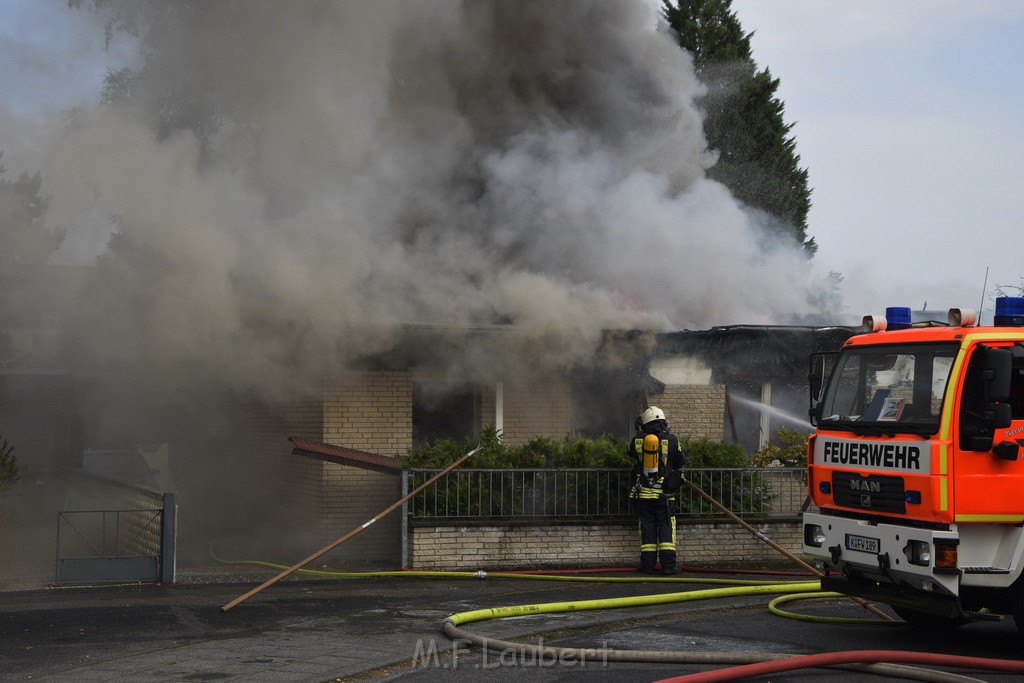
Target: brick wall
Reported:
point(468, 548)
point(694, 410)
point(531, 409)
point(252, 496)
point(371, 412)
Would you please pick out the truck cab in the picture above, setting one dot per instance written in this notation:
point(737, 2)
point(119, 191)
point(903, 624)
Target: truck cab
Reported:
point(915, 465)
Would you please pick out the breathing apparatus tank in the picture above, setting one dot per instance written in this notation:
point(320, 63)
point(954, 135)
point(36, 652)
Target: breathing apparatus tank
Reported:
point(652, 451)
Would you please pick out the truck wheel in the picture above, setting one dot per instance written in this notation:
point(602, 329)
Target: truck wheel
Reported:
point(924, 620)
point(1017, 602)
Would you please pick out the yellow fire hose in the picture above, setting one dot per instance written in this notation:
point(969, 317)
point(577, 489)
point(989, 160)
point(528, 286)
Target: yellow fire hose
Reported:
point(567, 655)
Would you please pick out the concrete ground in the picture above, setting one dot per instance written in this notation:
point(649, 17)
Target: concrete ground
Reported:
point(389, 629)
point(377, 628)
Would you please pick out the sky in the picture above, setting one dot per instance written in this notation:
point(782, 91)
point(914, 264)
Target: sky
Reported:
point(906, 114)
point(908, 117)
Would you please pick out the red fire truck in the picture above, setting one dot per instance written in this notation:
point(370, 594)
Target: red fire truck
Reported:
point(915, 466)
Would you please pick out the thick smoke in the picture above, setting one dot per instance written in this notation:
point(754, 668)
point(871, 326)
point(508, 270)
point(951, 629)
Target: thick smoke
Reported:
point(360, 168)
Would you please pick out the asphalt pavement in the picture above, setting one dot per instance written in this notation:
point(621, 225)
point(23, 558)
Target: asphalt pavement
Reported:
point(390, 629)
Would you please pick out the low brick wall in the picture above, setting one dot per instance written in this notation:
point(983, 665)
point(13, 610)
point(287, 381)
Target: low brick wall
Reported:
point(607, 544)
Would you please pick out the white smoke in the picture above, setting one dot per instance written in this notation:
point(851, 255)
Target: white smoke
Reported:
point(376, 165)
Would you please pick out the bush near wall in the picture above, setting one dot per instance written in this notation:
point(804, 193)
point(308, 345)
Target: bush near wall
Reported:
point(538, 453)
point(569, 451)
point(607, 451)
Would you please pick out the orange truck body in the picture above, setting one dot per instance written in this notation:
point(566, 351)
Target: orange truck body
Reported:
point(915, 467)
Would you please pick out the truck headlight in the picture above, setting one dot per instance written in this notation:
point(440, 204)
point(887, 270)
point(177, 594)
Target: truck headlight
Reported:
point(918, 552)
point(813, 535)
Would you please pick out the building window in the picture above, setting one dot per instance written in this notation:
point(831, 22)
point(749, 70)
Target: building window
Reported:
point(441, 411)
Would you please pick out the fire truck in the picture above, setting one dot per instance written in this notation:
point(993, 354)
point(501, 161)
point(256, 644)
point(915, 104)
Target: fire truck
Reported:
point(916, 469)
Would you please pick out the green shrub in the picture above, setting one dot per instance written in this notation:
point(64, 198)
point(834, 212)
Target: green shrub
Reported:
point(749, 494)
point(791, 453)
point(707, 453)
point(462, 495)
point(517, 493)
point(539, 453)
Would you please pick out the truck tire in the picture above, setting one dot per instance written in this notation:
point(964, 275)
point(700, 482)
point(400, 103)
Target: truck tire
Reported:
point(1017, 602)
point(926, 621)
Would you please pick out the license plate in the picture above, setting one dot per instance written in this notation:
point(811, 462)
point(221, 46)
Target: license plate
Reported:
point(862, 544)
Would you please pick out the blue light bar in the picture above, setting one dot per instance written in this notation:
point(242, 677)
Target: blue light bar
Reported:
point(898, 317)
point(913, 497)
point(1010, 311)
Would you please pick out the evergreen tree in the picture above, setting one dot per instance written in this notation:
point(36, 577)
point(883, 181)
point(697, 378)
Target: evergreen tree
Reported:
point(24, 238)
point(26, 243)
point(743, 117)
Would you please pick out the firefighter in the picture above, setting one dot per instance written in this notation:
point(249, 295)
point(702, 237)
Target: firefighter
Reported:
point(657, 475)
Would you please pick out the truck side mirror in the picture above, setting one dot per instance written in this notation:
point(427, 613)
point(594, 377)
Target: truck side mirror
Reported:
point(817, 377)
point(998, 369)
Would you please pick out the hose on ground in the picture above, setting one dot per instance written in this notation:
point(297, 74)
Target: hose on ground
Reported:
point(773, 607)
point(452, 628)
point(851, 656)
point(738, 587)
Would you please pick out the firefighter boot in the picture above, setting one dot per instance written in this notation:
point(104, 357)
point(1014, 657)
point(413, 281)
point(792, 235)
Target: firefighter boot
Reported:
point(668, 562)
point(648, 560)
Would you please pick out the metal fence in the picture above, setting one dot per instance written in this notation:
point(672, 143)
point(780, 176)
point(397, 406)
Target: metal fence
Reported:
point(505, 494)
point(116, 544)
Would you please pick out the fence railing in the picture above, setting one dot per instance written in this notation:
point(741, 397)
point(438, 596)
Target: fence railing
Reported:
point(117, 544)
point(507, 494)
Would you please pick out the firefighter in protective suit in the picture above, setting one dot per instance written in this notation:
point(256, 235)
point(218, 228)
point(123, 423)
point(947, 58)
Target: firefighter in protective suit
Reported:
point(657, 477)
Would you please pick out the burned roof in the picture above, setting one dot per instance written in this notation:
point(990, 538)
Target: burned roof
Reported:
point(754, 351)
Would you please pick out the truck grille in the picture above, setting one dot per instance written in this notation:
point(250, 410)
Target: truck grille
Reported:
point(876, 493)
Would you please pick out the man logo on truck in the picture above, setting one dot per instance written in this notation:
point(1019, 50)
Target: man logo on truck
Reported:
point(865, 485)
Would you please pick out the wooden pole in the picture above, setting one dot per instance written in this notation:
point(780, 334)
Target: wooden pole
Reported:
point(863, 603)
point(326, 549)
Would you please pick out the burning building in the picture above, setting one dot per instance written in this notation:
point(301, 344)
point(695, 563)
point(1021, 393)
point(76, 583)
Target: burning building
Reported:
point(374, 224)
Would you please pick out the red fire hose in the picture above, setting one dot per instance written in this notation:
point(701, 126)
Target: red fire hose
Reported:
point(850, 657)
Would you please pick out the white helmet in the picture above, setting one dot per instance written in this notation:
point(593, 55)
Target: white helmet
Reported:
point(651, 414)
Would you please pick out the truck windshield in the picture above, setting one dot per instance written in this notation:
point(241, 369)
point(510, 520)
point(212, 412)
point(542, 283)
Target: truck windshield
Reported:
point(888, 388)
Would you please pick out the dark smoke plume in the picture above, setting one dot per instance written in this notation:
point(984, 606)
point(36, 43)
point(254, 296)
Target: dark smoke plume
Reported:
point(293, 185)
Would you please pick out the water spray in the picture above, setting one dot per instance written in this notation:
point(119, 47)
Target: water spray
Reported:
point(773, 411)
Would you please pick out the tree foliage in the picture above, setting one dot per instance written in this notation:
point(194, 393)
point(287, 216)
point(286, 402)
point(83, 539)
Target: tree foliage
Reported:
point(1009, 290)
point(24, 237)
point(744, 120)
point(171, 88)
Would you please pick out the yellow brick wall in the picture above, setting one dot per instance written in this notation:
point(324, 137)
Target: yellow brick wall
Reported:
point(243, 490)
point(493, 548)
point(531, 409)
point(693, 410)
point(371, 412)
